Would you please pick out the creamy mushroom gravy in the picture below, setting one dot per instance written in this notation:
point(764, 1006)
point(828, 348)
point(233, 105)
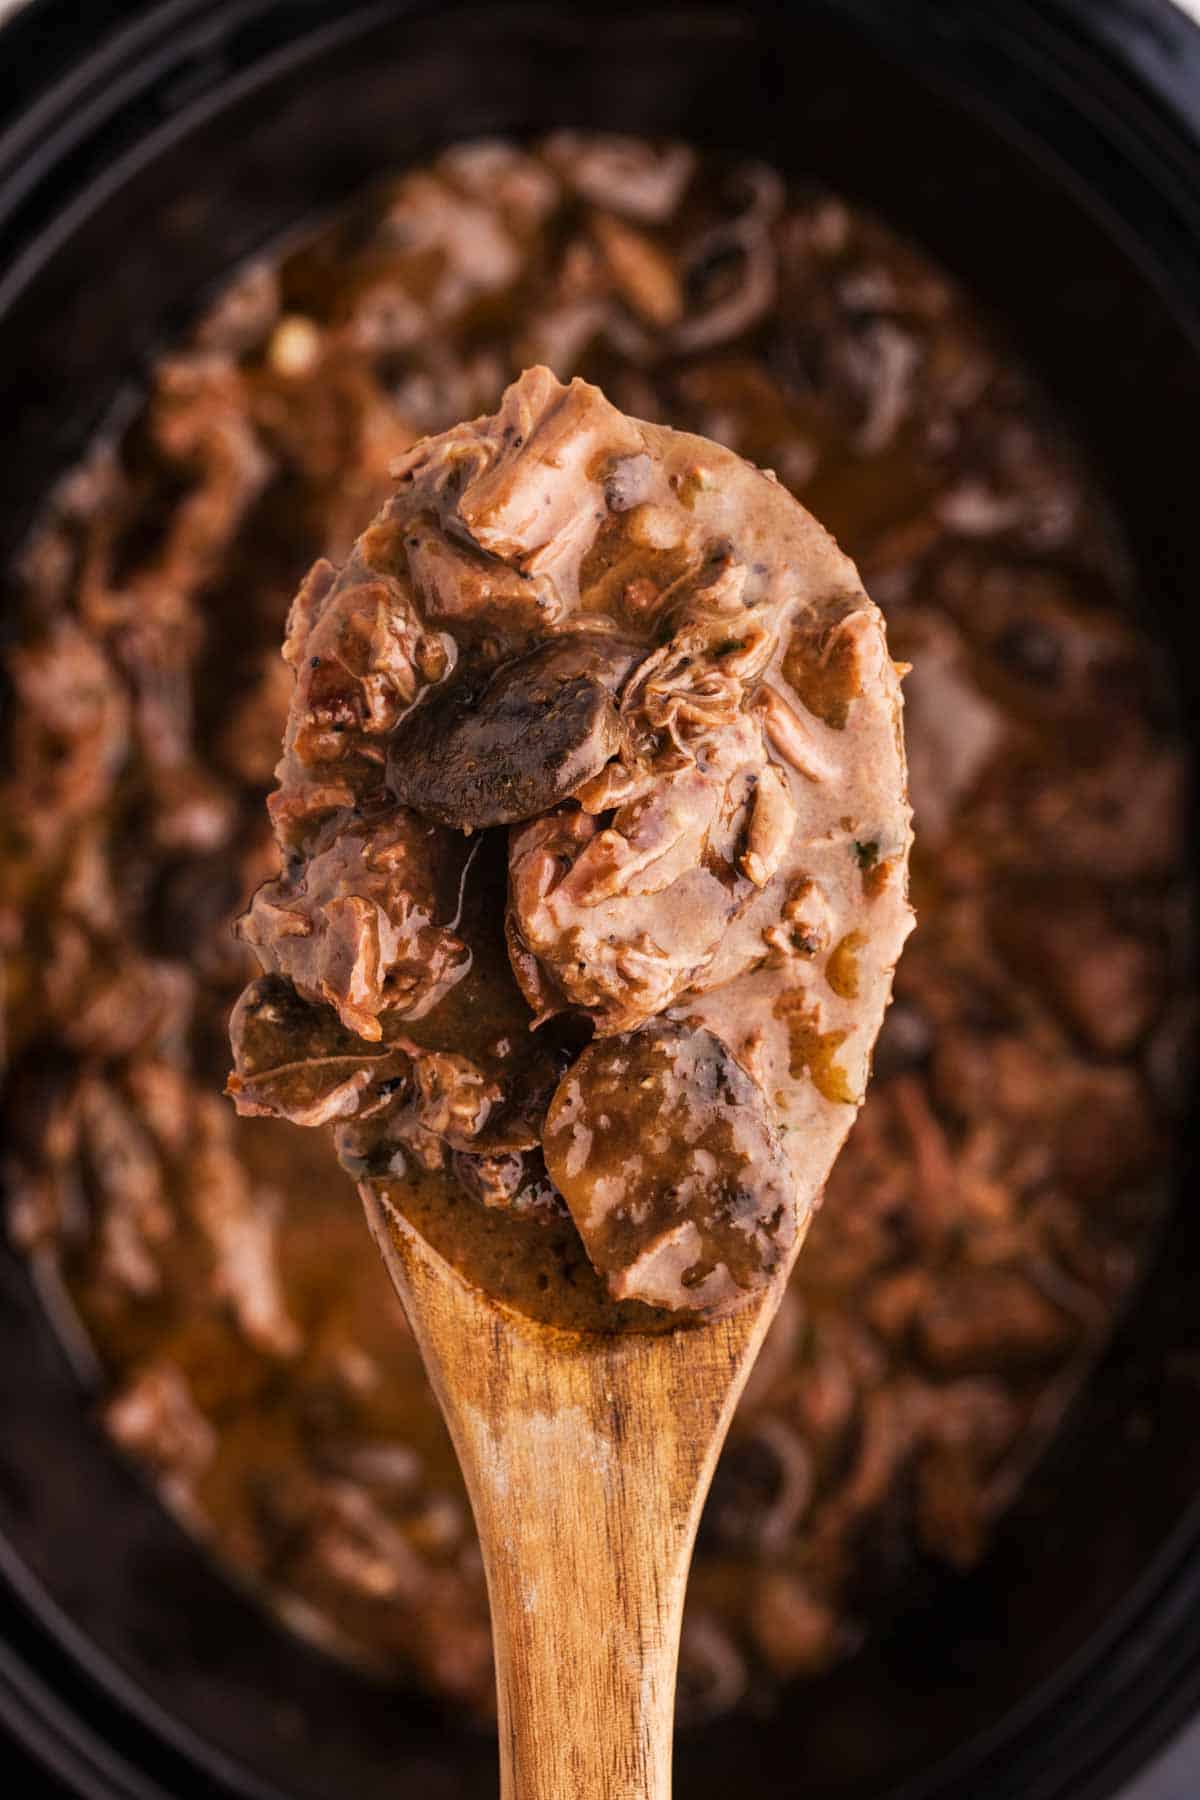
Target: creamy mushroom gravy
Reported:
point(212, 1275)
point(584, 638)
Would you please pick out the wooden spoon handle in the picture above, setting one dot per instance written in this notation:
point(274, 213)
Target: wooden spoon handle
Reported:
point(587, 1461)
point(587, 1563)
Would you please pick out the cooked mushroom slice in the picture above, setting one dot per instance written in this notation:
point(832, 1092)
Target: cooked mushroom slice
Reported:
point(493, 747)
point(664, 1150)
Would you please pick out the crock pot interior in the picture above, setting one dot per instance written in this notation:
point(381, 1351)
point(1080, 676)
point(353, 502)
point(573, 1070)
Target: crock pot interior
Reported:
point(965, 1690)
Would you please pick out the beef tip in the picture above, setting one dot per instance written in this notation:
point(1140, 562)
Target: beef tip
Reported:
point(361, 656)
point(356, 925)
point(484, 1118)
point(641, 271)
point(623, 918)
point(623, 906)
point(497, 747)
point(671, 1167)
point(459, 242)
point(297, 1061)
point(370, 659)
point(524, 488)
point(476, 597)
point(451, 1105)
point(198, 428)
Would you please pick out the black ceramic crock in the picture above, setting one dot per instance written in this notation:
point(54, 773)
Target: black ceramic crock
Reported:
point(1049, 151)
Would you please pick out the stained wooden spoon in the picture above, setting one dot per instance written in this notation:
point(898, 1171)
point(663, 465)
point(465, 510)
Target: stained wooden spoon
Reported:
point(587, 1459)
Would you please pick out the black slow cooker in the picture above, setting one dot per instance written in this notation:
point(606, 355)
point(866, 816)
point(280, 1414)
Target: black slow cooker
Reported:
point(1049, 151)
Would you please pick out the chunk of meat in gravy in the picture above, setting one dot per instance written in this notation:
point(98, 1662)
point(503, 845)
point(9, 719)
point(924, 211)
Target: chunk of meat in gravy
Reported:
point(665, 1152)
point(357, 925)
point(298, 1061)
point(361, 657)
point(625, 917)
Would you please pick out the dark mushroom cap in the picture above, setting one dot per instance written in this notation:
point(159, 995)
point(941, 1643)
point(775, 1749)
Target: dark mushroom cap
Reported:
point(497, 746)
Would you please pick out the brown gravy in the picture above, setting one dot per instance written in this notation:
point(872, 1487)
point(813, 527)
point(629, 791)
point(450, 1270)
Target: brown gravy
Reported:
point(999, 1189)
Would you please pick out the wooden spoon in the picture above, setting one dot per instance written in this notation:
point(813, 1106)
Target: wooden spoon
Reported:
point(588, 1456)
point(587, 1459)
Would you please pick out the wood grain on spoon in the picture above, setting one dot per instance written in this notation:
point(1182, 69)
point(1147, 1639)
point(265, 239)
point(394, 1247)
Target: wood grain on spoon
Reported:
point(587, 1459)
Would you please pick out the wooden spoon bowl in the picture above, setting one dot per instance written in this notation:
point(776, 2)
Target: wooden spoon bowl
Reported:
point(587, 1459)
